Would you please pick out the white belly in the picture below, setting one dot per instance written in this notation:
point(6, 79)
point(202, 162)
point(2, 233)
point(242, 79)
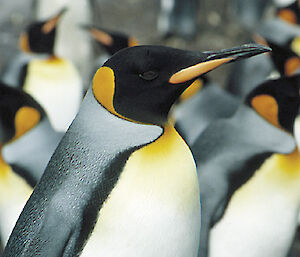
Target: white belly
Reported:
point(14, 192)
point(56, 85)
point(155, 209)
point(261, 217)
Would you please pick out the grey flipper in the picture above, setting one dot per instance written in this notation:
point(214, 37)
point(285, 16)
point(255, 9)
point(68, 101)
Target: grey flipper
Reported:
point(245, 75)
point(227, 154)
point(30, 154)
point(195, 114)
point(63, 208)
point(11, 74)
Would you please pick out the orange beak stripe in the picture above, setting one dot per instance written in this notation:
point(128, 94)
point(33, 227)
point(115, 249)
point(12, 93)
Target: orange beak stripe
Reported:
point(102, 37)
point(196, 70)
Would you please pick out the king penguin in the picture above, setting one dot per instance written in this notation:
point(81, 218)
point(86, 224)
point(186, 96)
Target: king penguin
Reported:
point(228, 153)
point(281, 36)
point(262, 214)
point(19, 114)
point(53, 81)
point(121, 170)
point(108, 40)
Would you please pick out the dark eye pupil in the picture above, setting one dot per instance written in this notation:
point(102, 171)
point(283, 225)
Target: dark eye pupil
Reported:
point(149, 75)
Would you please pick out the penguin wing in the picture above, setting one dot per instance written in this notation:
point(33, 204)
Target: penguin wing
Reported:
point(30, 154)
point(227, 154)
point(62, 211)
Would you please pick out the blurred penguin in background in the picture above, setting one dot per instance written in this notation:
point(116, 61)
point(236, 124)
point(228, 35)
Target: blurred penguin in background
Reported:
point(71, 43)
point(249, 13)
point(53, 81)
point(178, 18)
point(262, 215)
point(108, 40)
point(232, 157)
point(27, 142)
point(283, 60)
point(288, 10)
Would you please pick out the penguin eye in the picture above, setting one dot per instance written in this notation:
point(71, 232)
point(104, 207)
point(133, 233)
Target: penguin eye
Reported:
point(149, 75)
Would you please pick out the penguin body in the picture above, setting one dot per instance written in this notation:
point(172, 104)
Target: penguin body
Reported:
point(266, 203)
point(53, 81)
point(122, 122)
point(30, 154)
point(19, 115)
point(268, 207)
point(12, 73)
point(227, 153)
point(49, 81)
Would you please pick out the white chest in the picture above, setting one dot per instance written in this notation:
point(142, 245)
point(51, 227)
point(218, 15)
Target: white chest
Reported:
point(56, 85)
point(261, 217)
point(154, 210)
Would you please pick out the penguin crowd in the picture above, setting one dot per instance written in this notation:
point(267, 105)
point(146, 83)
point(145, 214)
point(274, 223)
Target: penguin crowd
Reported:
point(115, 146)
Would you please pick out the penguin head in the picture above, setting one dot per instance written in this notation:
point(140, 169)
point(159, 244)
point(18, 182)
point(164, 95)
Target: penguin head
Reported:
point(111, 41)
point(19, 113)
point(285, 59)
point(277, 101)
point(39, 37)
point(288, 13)
point(142, 83)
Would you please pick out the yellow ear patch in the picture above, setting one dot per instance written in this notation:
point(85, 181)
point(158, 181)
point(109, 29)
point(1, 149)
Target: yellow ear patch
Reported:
point(4, 167)
point(295, 45)
point(267, 107)
point(288, 16)
point(26, 118)
point(196, 70)
point(191, 90)
point(23, 43)
point(291, 65)
point(132, 42)
point(104, 88)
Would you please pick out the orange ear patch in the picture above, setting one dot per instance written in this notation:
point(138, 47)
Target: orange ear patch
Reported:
point(23, 43)
point(102, 37)
point(291, 65)
point(267, 107)
point(288, 16)
point(26, 118)
point(4, 167)
point(132, 42)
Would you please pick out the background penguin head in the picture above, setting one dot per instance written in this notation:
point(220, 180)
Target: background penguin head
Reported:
point(277, 101)
point(142, 83)
point(111, 41)
point(39, 37)
point(19, 113)
point(285, 59)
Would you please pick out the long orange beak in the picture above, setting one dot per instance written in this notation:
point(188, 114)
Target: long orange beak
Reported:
point(213, 60)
